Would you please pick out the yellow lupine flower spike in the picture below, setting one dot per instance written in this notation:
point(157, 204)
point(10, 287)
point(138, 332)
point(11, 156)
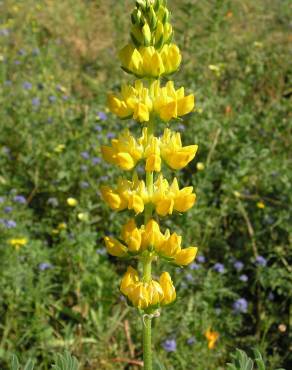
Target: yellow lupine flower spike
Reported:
point(150, 55)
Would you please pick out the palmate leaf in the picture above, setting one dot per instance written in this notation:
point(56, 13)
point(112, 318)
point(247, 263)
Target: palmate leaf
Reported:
point(240, 361)
point(65, 362)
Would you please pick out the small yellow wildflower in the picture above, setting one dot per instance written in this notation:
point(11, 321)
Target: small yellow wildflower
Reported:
point(59, 148)
point(200, 166)
point(82, 216)
point(261, 205)
point(212, 337)
point(237, 194)
point(62, 226)
point(72, 202)
point(17, 243)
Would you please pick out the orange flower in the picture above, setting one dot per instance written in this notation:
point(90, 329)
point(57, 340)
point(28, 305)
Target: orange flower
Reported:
point(212, 337)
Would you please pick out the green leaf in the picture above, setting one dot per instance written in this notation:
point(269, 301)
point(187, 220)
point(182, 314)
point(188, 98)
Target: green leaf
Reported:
point(14, 363)
point(29, 365)
point(157, 365)
point(65, 362)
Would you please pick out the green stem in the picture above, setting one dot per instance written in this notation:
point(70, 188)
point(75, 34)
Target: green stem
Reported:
point(146, 320)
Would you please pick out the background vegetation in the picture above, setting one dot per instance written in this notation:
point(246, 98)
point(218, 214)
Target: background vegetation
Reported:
point(60, 289)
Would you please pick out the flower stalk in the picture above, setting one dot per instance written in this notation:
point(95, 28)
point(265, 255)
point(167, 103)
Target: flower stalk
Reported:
point(149, 56)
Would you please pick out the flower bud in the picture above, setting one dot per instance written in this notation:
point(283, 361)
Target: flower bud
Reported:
point(153, 18)
point(137, 36)
point(186, 256)
point(146, 34)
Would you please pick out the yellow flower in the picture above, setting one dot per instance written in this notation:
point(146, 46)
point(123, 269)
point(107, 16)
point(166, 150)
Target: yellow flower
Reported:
point(171, 246)
point(125, 151)
point(140, 102)
point(83, 216)
point(72, 202)
point(134, 195)
point(169, 198)
point(151, 235)
point(169, 294)
point(17, 243)
point(131, 277)
point(146, 61)
point(59, 148)
point(62, 226)
point(132, 236)
point(261, 205)
point(172, 151)
point(200, 166)
point(212, 337)
point(139, 295)
point(114, 247)
point(186, 256)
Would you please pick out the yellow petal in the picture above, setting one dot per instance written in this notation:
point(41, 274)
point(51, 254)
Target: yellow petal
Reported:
point(114, 247)
point(125, 161)
point(186, 256)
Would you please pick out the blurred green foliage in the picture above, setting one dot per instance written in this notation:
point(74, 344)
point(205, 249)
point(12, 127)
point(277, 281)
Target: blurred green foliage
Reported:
point(60, 290)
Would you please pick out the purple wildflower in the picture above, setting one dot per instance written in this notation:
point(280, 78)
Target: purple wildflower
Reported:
point(2, 199)
point(219, 267)
point(52, 98)
point(27, 85)
point(189, 277)
point(19, 199)
point(243, 278)
point(169, 345)
point(103, 178)
point(261, 261)
point(85, 155)
point(271, 296)
point(191, 341)
point(96, 160)
point(240, 305)
point(84, 185)
point(194, 266)
point(98, 128)
point(110, 135)
point(45, 266)
point(10, 224)
point(238, 265)
point(17, 62)
point(201, 259)
point(102, 116)
point(36, 102)
point(8, 209)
